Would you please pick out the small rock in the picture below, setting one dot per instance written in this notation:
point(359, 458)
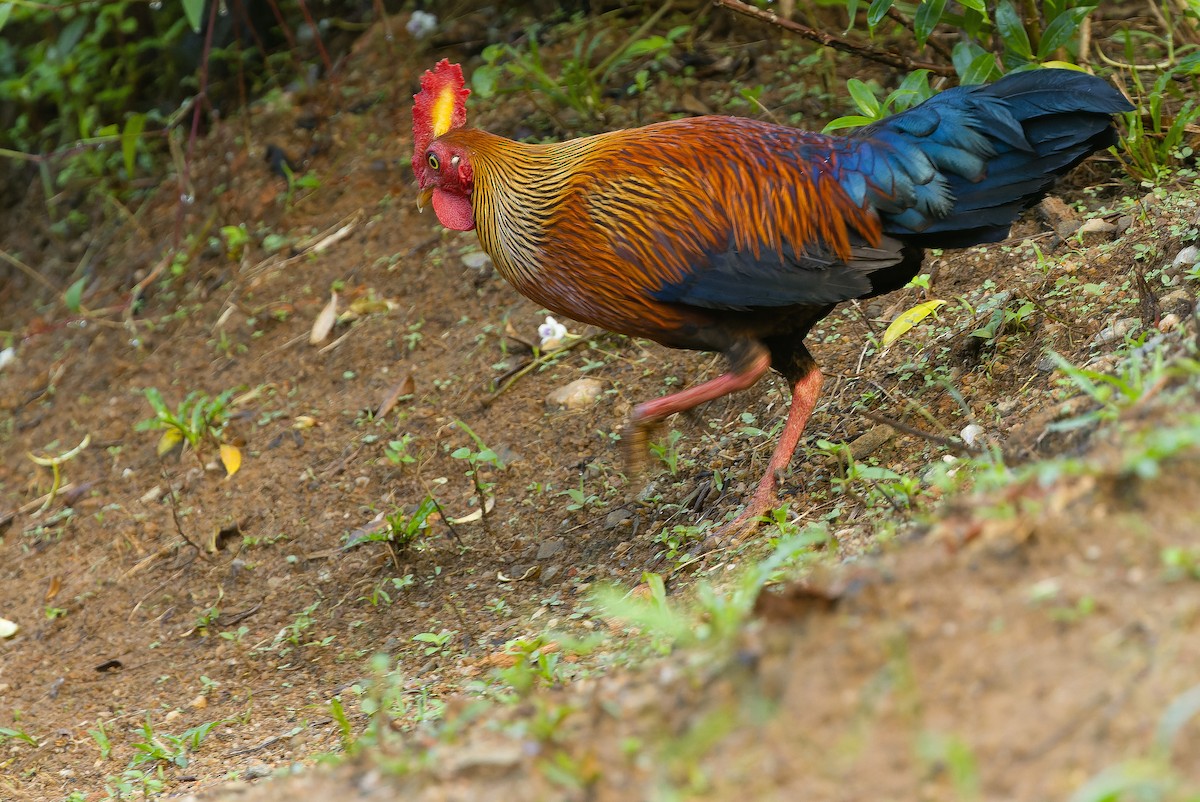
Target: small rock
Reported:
point(1115, 331)
point(1169, 321)
point(256, 771)
point(1096, 230)
point(1187, 257)
point(173, 715)
point(871, 441)
point(551, 547)
point(1060, 216)
point(487, 758)
point(1124, 223)
point(1106, 363)
point(617, 517)
point(1046, 364)
point(476, 260)
point(971, 433)
point(549, 573)
point(577, 394)
point(1178, 302)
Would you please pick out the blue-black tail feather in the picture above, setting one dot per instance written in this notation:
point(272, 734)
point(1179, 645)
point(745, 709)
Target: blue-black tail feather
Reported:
point(958, 169)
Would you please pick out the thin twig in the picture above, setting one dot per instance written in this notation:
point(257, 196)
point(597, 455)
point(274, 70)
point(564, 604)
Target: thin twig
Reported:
point(896, 60)
point(945, 442)
point(29, 271)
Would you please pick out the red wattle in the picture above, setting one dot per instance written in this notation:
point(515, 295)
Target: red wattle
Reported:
point(453, 210)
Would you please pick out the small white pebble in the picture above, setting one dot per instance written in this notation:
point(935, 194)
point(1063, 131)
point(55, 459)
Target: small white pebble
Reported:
point(971, 433)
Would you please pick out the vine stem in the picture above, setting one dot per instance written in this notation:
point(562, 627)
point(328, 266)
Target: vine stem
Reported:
point(888, 57)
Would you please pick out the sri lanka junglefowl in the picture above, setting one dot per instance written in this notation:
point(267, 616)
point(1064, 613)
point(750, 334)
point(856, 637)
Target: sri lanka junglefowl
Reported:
point(734, 235)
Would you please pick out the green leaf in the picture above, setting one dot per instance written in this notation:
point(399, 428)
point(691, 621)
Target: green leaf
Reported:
point(74, 294)
point(852, 12)
point(863, 97)
point(157, 403)
point(928, 15)
point(876, 13)
point(193, 9)
point(850, 121)
point(1062, 29)
point(71, 35)
point(979, 70)
point(1012, 30)
point(129, 141)
point(651, 44)
point(6, 10)
point(975, 5)
point(484, 80)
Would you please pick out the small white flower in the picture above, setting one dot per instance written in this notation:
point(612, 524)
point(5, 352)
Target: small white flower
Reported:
point(421, 24)
point(551, 333)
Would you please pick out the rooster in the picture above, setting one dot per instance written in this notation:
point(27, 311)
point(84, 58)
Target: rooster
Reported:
point(733, 235)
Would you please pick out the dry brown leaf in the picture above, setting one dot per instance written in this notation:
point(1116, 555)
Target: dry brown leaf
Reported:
point(407, 386)
point(324, 322)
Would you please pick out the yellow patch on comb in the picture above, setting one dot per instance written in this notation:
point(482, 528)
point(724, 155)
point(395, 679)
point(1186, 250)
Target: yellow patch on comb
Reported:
point(442, 113)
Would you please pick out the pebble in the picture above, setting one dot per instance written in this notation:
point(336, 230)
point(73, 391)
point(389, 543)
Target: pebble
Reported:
point(871, 441)
point(1178, 302)
point(550, 548)
point(256, 771)
point(1187, 257)
point(476, 260)
point(617, 517)
point(1097, 230)
point(577, 394)
point(549, 574)
point(1115, 331)
point(1169, 321)
point(1046, 364)
point(1124, 223)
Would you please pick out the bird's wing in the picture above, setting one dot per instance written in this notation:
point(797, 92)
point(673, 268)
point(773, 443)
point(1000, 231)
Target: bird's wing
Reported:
point(726, 217)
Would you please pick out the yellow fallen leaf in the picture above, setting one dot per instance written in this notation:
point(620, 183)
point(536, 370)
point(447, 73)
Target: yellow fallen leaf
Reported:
point(908, 319)
point(170, 438)
point(231, 458)
point(1063, 65)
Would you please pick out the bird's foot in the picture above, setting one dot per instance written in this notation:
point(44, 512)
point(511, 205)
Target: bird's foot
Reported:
point(730, 535)
point(635, 441)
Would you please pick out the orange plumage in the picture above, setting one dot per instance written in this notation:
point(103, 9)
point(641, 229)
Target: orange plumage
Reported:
point(732, 235)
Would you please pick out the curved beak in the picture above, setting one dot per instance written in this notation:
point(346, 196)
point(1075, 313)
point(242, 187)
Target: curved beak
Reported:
point(424, 198)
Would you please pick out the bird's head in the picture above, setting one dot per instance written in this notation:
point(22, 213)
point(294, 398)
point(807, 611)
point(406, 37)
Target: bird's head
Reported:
point(443, 168)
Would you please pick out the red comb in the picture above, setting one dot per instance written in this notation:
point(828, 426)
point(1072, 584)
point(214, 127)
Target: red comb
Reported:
point(439, 107)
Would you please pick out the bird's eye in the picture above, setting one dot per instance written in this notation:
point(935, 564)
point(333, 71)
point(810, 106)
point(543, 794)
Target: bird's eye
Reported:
point(434, 164)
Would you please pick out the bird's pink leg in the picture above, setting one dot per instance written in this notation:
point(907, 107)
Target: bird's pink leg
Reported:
point(805, 391)
point(646, 415)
